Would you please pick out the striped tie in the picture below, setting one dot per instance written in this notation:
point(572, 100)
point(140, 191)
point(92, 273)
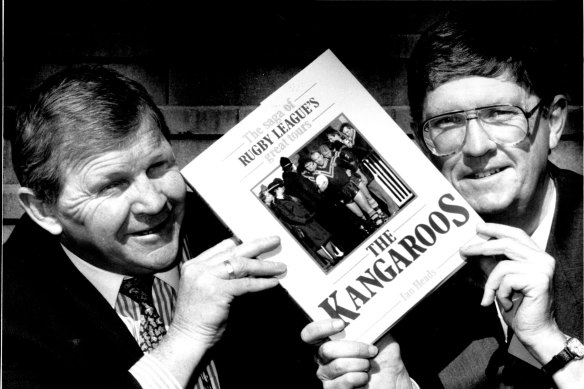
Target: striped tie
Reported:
point(152, 327)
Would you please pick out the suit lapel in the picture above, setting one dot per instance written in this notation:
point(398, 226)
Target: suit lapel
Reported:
point(565, 245)
point(90, 318)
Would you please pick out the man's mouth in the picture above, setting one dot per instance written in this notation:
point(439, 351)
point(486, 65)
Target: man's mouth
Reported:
point(484, 174)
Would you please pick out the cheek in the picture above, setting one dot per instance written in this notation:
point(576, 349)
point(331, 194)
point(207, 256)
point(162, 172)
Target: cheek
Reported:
point(80, 210)
point(110, 216)
point(173, 186)
point(446, 167)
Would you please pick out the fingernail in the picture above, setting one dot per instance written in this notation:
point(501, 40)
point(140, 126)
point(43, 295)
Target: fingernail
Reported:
point(372, 351)
point(338, 324)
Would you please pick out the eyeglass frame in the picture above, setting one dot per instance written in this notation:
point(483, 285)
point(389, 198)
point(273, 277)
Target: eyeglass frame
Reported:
point(527, 115)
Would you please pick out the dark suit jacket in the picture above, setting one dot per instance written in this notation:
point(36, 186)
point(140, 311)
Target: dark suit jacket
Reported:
point(58, 331)
point(450, 341)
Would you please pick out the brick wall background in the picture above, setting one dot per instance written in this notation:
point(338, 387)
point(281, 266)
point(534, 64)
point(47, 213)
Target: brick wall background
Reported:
point(209, 64)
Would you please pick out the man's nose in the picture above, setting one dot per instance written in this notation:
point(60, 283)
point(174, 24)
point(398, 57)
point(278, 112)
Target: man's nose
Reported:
point(149, 198)
point(476, 140)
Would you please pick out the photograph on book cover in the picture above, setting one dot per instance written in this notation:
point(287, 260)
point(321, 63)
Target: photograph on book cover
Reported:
point(333, 193)
point(367, 225)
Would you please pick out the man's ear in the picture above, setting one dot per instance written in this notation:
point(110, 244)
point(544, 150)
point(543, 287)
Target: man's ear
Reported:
point(557, 117)
point(39, 211)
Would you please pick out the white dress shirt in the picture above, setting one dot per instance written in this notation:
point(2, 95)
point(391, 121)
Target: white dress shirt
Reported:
point(148, 371)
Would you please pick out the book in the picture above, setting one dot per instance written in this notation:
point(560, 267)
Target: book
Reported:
point(368, 225)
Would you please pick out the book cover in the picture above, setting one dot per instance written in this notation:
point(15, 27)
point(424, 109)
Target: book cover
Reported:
point(368, 225)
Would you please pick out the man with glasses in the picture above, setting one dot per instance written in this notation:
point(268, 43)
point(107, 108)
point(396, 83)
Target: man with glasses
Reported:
point(487, 113)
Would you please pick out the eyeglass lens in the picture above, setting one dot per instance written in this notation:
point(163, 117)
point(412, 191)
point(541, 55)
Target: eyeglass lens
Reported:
point(505, 125)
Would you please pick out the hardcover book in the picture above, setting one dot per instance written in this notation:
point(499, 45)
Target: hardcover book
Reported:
point(368, 225)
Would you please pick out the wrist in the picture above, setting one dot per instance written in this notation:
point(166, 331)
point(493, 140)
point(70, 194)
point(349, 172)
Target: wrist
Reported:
point(180, 353)
point(567, 365)
point(545, 344)
point(188, 338)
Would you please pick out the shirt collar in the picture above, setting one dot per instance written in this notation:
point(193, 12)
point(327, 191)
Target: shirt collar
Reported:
point(108, 283)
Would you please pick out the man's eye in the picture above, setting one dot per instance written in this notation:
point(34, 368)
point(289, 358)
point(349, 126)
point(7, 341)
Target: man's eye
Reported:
point(112, 186)
point(449, 121)
point(158, 168)
point(157, 164)
point(499, 114)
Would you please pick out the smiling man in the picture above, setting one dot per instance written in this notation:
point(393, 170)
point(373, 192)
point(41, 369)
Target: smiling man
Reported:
point(477, 130)
point(100, 287)
point(487, 112)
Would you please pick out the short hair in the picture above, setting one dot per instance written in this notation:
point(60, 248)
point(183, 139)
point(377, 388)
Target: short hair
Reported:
point(74, 115)
point(330, 131)
point(345, 125)
point(312, 152)
point(461, 45)
point(302, 161)
point(323, 147)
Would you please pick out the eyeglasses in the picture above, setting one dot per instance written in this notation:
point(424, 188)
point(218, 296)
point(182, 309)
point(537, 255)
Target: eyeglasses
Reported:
point(504, 124)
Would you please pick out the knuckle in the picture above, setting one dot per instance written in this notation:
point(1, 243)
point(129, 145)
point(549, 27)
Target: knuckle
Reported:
point(321, 375)
point(229, 253)
point(356, 379)
point(238, 267)
point(363, 350)
point(325, 350)
point(246, 282)
point(543, 280)
point(242, 267)
point(338, 367)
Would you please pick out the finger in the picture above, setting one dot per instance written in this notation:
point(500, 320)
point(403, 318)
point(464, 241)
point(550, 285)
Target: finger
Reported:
point(507, 247)
point(498, 231)
point(528, 273)
point(345, 349)
point(347, 381)
point(494, 280)
point(506, 294)
point(256, 247)
point(342, 366)
point(318, 331)
point(220, 247)
point(243, 267)
point(241, 286)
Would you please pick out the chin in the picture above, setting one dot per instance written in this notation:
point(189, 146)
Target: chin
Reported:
point(160, 259)
point(489, 204)
point(166, 257)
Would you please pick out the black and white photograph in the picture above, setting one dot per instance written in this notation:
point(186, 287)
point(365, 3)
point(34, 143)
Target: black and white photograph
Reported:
point(333, 193)
point(420, 226)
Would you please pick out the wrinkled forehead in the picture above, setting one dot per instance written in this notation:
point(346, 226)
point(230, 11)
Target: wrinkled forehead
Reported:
point(147, 133)
point(474, 91)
